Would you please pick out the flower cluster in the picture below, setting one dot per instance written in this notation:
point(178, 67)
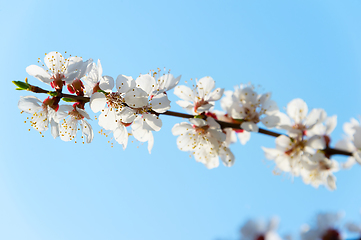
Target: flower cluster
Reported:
point(327, 226)
point(130, 106)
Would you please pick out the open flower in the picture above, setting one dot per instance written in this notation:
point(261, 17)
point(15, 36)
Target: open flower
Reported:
point(325, 229)
point(205, 140)
point(59, 69)
point(250, 108)
point(199, 99)
point(42, 114)
point(259, 230)
point(69, 118)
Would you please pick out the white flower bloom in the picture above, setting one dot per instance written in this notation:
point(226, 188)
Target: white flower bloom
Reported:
point(298, 121)
point(131, 105)
point(205, 140)
point(246, 105)
point(42, 114)
point(59, 69)
point(318, 170)
point(290, 155)
point(161, 83)
point(69, 117)
point(259, 230)
point(351, 142)
point(325, 229)
point(199, 99)
point(94, 80)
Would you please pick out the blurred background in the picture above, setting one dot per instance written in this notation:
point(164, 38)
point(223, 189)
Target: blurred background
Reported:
point(50, 189)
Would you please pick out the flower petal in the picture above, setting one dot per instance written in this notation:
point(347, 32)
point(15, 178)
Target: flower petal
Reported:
point(39, 73)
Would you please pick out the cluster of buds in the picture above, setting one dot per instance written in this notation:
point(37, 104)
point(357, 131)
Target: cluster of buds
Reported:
point(133, 107)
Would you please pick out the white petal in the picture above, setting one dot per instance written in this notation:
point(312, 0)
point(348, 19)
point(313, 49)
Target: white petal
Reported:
point(249, 126)
point(169, 81)
point(153, 121)
point(106, 83)
point(205, 86)
point(127, 115)
point(271, 153)
point(54, 61)
point(54, 128)
point(136, 98)
point(108, 120)
point(316, 142)
point(160, 103)
point(357, 138)
point(297, 109)
point(124, 83)
point(83, 113)
point(244, 137)
point(331, 123)
point(145, 82)
point(121, 135)
point(29, 104)
point(331, 182)
point(270, 107)
point(270, 121)
point(150, 142)
point(181, 128)
point(215, 95)
point(87, 131)
point(185, 104)
point(184, 93)
point(315, 116)
point(39, 73)
point(357, 156)
point(97, 102)
point(227, 157)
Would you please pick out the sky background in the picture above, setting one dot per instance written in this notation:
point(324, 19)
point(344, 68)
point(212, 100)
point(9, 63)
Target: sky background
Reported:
point(57, 190)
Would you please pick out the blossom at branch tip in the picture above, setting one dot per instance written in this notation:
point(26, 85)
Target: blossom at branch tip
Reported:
point(42, 114)
point(201, 98)
point(351, 142)
point(325, 229)
point(259, 230)
point(205, 140)
point(71, 119)
point(59, 70)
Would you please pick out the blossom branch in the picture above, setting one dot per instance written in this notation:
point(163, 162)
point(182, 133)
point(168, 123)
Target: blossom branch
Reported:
point(328, 151)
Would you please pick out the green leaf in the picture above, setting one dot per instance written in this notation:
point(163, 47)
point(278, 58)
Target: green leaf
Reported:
point(53, 94)
point(68, 99)
point(19, 89)
point(198, 116)
point(22, 85)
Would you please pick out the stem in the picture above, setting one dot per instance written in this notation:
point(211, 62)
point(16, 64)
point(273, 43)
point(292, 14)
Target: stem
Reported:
point(328, 151)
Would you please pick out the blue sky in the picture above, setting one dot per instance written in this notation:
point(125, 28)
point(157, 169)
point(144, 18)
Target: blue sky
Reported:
point(61, 190)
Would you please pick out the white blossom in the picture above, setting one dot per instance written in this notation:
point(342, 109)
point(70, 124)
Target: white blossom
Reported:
point(71, 119)
point(199, 99)
point(259, 230)
point(42, 114)
point(249, 108)
point(59, 69)
point(325, 229)
point(351, 142)
point(205, 140)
